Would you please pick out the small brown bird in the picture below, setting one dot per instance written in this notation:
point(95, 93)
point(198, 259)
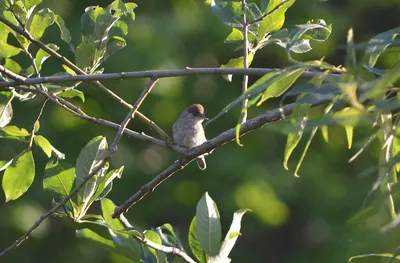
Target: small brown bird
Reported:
point(188, 131)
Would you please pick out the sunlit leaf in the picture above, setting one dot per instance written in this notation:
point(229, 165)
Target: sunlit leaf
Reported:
point(72, 94)
point(84, 55)
point(105, 182)
point(15, 131)
point(237, 63)
point(44, 144)
point(42, 55)
point(194, 243)
point(382, 255)
point(12, 66)
point(40, 21)
point(65, 35)
point(19, 176)
point(7, 50)
point(208, 225)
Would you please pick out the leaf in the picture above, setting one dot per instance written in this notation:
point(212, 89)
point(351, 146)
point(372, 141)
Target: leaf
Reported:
point(105, 181)
point(114, 44)
point(237, 63)
point(349, 135)
point(59, 178)
point(152, 255)
point(44, 144)
point(168, 235)
point(281, 84)
point(231, 237)
point(15, 131)
point(384, 82)
point(31, 3)
point(12, 66)
point(107, 208)
point(194, 243)
point(6, 110)
point(275, 20)
point(42, 56)
point(378, 44)
point(5, 164)
point(228, 12)
point(208, 225)
point(65, 35)
point(7, 51)
point(84, 55)
point(72, 94)
point(94, 237)
point(299, 120)
point(314, 29)
point(383, 255)
point(40, 21)
point(19, 176)
point(89, 158)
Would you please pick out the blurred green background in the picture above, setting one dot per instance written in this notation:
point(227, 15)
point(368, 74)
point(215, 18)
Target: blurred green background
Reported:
point(293, 220)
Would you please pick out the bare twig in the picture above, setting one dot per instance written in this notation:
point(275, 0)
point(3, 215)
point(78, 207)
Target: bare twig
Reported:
point(269, 13)
point(245, 61)
point(192, 154)
point(22, 30)
point(154, 74)
point(166, 249)
point(36, 122)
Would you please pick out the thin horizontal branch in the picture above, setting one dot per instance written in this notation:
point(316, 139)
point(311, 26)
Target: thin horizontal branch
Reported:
point(207, 147)
point(152, 74)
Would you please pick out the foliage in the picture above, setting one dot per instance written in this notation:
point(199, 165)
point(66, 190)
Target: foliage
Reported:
point(358, 94)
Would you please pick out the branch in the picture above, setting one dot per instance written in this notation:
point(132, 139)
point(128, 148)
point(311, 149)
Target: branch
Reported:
point(153, 74)
point(166, 249)
point(245, 61)
point(96, 169)
point(22, 30)
point(269, 13)
point(207, 147)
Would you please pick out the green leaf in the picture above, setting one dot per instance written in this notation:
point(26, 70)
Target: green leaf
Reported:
point(237, 63)
point(281, 84)
point(42, 56)
point(383, 255)
point(65, 35)
point(228, 12)
point(349, 135)
point(31, 3)
point(59, 179)
point(102, 188)
point(6, 110)
point(12, 66)
point(152, 256)
point(378, 44)
point(7, 50)
point(107, 208)
point(40, 21)
point(19, 176)
point(194, 243)
point(384, 82)
point(299, 120)
point(275, 20)
point(84, 55)
point(89, 158)
point(208, 225)
point(72, 93)
point(15, 131)
point(114, 44)
point(44, 144)
point(231, 237)
point(5, 164)
point(168, 235)
point(94, 237)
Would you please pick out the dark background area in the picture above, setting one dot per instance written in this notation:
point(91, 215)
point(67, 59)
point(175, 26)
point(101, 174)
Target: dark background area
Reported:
point(293, 219)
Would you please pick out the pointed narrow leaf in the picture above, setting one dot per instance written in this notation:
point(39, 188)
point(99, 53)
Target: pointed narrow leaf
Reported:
point(19, 176)
point(299, 120)
point(194, 243)
point(383, 255)
point(208, 225)
point(349, 135)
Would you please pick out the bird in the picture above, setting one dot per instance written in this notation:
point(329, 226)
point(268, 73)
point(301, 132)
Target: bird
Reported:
point(188, 131)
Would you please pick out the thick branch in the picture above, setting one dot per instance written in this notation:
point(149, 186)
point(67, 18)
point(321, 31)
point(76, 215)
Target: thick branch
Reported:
point(192, 154)
point(64, 60)
point(153, 74)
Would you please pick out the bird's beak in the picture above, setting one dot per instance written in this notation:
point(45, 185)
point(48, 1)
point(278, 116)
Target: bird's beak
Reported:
point(204, 117)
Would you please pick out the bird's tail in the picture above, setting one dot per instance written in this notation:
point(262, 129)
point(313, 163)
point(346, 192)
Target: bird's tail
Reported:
point(201, 162)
